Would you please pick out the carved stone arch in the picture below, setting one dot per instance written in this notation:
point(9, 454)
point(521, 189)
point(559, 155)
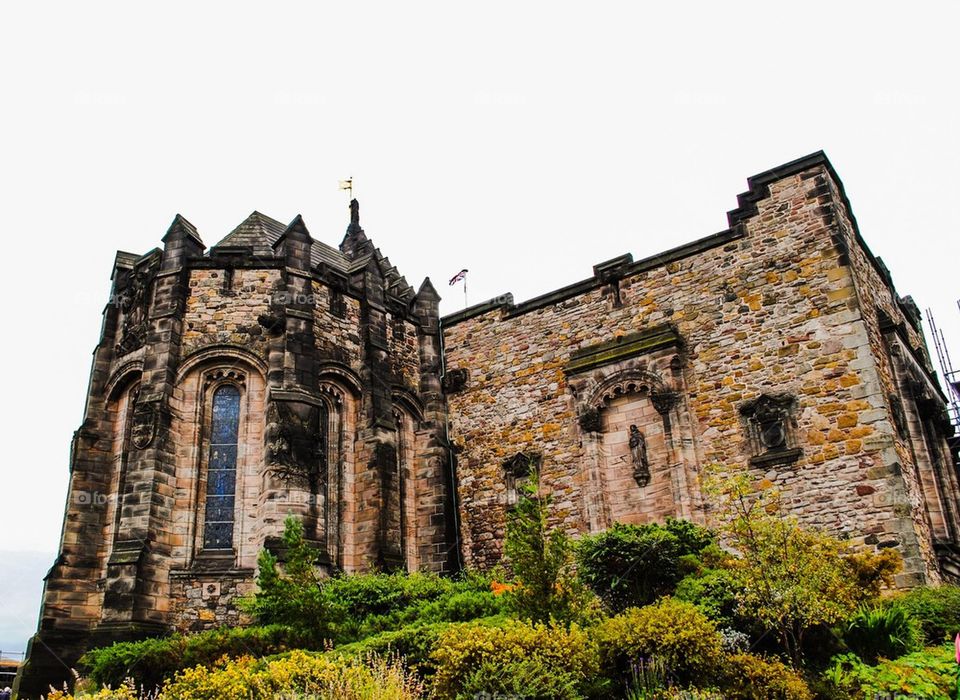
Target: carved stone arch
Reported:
point(630, 381)
point(408, 402)
point(123, 377)
point(342, 375)
point(222, 355)
point(219, 375)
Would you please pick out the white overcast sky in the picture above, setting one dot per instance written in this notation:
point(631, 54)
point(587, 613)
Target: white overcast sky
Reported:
point(524, 141)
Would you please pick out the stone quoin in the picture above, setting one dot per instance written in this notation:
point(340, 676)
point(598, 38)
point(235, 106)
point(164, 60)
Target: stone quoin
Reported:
point(274, 374)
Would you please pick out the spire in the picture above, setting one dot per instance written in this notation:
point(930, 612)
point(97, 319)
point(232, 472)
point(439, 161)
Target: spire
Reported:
point(427, 291)
point(181, 229)
point(181, 243)
point(295, 244)
point(355, 241)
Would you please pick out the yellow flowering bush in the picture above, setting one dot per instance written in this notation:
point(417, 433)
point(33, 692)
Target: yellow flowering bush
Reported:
point(298, 673)
point(747, 676)
point(124, 692)
point(674, 631)
point(548, 655)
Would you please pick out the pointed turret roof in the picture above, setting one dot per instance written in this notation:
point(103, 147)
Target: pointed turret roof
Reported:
point(258, 231)
point(183, 228)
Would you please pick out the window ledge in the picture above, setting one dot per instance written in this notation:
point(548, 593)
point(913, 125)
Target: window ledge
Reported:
point(768, 459)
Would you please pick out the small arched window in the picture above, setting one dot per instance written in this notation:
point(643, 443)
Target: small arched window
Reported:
point(222, 469)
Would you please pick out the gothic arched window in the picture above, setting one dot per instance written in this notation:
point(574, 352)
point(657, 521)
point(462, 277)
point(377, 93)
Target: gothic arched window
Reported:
point(222, 469)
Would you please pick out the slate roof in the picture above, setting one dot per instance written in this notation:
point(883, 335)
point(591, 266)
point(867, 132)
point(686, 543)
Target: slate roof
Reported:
point(259, 232)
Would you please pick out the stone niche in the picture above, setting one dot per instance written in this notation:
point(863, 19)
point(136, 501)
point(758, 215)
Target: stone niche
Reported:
point(638, 460)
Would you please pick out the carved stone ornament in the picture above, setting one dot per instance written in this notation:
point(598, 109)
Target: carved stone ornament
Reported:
point(770, 423)
point(133, 299)
point(295, 442)
point(146, 416)
point(664, 401)
point(454, 380)
point(638, 455)
point(522, 464)
point(589, 421)
point(899, 416)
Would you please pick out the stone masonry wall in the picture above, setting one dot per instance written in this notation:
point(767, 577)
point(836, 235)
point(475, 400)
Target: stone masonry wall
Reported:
point(218, 314)
point(772, 311)
point(910, 528)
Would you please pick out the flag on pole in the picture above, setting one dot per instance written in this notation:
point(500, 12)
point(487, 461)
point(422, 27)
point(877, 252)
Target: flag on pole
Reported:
point(346, 184)
point(462, 275)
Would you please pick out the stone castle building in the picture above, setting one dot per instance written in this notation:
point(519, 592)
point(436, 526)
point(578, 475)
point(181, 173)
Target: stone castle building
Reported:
point(274, 374)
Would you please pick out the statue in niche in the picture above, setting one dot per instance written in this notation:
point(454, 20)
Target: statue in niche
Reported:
point(638, 453)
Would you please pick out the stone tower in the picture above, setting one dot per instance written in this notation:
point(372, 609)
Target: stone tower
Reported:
point(270, 375)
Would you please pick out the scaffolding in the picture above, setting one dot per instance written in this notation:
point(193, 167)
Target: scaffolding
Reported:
point(949, 374)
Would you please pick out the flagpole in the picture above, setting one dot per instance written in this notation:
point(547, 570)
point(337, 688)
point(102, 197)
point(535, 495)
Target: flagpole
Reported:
point(464, 291)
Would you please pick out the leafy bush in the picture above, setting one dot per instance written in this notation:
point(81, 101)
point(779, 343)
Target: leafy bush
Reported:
point(937, 610)
point(886, 632)
point(457, 603)
point(353, 606)
point(873, 571)
point(299, 673)
point(714, 592)
point(632, 565)
point(414, 644)
point(546, 654)
point(747, 676)
point(151, 661)
point(521, 678)
point(671, 630)
point(930, 673)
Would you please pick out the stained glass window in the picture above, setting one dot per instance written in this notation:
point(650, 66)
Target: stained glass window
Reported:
point(222, 469)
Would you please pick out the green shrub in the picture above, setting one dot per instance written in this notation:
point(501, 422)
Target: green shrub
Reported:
point(930, 673)
point(414, 644)
point(522, 678)
point(151, 661)
point(747, 676)
point(671, 630)
point(633, 565)
point(714, 592)
point(553, 655)
point(693, 538)
point(886, 632)
point(458, 603)
point(937, 610)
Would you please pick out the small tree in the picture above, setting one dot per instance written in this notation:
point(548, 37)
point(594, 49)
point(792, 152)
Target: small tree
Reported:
point(291, 595)
point(792, 579)
point(541, 559)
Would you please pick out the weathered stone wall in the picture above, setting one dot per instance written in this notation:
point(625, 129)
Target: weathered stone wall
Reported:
point(769, 307)
point(222, 311)
point(892, 455)
point(209, 601)
point(338, 337)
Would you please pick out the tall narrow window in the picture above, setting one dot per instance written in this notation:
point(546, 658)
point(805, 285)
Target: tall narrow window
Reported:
point(222, 469)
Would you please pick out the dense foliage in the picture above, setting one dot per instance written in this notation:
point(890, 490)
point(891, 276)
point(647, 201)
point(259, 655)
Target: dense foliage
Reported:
point(681, 618)
point(881, 632)
point(631, 565)
point(936, 610)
